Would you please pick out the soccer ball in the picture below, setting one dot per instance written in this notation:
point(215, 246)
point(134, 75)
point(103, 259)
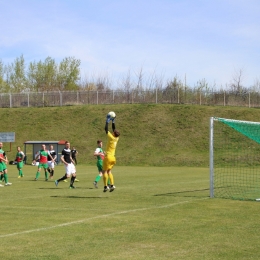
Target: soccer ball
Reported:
point(112, 114)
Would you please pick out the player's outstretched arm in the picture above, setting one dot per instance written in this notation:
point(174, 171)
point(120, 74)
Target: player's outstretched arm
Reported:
point(107, 121)
point(113, 126)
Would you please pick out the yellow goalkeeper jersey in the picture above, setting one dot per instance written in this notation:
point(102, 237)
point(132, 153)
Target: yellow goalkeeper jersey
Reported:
point(111, 144)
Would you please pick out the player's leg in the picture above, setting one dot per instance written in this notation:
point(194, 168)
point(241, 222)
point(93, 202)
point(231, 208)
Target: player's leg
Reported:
point(49, 167)
point(97, 179)
point(111, 176)
point(19, 172)
point(75, 160)
point(20, 168)
point(52, 170)
point(63, 177)
point(45, 167)
point(105, 175)
point(105, 180)
point(72, 170)
point(99, 166)
point(38, 171)
point(1, 172)
point(7, 183)
point(72, 179)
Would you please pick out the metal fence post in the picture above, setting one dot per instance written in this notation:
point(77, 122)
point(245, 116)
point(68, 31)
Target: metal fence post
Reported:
point(10, 99)
point(60, 98)
point(178, 93)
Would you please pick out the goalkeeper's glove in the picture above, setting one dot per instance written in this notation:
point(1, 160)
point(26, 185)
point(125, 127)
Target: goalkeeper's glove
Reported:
point(108, 119)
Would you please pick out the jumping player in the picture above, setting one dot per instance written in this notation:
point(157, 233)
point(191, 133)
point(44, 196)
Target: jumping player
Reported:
point(110, 159)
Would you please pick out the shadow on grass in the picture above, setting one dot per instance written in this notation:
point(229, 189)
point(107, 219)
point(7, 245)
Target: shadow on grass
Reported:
point(186, 193)
point(56, 188)
point(77, 197)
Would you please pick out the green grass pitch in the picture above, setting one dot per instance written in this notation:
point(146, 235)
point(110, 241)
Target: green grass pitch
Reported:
point(154, 213)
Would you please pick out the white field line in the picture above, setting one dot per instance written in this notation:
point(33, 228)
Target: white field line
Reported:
point(96, 217)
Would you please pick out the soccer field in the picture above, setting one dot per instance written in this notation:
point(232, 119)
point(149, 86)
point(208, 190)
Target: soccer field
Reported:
point(154, 213)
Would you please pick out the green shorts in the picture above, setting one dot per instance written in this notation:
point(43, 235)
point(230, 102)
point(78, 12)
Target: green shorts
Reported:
point(43, 165)
point(2, 166)
point(100, 166)
point(19, 165)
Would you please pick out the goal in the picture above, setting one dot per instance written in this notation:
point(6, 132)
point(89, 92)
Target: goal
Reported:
point(234, 159)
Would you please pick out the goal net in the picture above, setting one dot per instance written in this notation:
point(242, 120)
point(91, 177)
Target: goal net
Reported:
point(234, 159)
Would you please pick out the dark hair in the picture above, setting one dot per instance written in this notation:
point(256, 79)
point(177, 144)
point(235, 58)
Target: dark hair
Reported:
point(99, 141)
point(116, 133)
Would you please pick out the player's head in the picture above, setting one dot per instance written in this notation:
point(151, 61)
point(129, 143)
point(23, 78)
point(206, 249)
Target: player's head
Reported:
point(43, 146)
point(67, 144)
point(116, 133)
point(51, 147)
point(1, 144)
point(99, 143)
point(18, 148)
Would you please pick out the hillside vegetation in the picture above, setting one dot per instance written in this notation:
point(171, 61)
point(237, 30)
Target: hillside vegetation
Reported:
point(151, 134)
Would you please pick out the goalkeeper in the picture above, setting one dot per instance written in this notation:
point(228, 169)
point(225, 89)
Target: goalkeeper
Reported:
point(110, 159)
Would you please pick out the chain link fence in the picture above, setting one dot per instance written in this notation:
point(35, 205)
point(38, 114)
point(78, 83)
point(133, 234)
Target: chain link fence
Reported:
point(172, 96)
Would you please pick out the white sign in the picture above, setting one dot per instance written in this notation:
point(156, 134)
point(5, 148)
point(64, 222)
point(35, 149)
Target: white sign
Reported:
point(8, 137)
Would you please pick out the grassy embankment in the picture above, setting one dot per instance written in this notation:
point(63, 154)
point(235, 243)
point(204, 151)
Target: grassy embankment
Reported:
point(151, 135)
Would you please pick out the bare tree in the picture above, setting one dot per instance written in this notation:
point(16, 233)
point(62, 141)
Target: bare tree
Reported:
point(126, 82)
point(236, 85)
point(103, 82)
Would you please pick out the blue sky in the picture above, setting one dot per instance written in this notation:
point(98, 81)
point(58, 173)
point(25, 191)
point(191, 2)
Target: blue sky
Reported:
point(196, 39)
